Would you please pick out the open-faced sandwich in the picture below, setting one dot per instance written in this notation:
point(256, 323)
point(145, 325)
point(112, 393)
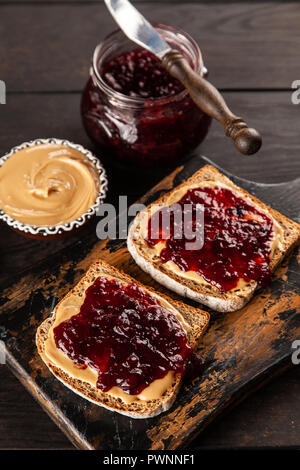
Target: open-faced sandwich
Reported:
point(120, 344)
point(243, 241)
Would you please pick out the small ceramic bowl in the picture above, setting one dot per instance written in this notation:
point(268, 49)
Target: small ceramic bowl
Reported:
point(57, 231)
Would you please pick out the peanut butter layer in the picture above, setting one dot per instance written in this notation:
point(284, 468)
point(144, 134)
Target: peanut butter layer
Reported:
point(47, 185)
point(71, 306)
point(153, 252)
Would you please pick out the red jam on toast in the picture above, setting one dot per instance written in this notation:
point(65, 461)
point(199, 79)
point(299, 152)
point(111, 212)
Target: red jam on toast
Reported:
point(237, 239)
point(124, 333)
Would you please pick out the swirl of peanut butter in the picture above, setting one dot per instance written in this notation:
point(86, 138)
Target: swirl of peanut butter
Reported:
point(47, 185)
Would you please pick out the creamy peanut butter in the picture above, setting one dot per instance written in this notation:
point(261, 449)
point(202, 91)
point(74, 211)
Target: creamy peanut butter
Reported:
point(71, 306)
point(47, 185)
point(154, 251)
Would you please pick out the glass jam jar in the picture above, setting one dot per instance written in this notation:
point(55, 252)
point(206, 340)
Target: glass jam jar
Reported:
point(137, 131)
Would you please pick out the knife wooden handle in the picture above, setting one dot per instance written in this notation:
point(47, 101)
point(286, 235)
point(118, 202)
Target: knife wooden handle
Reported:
point(208, 98)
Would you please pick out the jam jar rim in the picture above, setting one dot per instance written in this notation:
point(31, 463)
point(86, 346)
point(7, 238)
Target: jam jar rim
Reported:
point(137, 102)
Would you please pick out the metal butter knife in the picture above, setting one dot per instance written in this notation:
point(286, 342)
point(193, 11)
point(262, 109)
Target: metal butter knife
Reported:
point(203, 93)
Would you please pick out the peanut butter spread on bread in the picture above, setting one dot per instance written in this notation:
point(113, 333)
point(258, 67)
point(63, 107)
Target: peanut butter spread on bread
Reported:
point(153, 252)
point(70, 306)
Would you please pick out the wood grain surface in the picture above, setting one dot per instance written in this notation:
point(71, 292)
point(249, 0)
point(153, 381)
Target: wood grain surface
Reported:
point(266, 415)
point(277, 161)
point(241, 350)
point(247, 46)
point(30, 116)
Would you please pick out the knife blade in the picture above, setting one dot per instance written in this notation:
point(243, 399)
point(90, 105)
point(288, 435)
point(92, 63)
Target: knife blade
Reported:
point(136, 27)
point(203, 93)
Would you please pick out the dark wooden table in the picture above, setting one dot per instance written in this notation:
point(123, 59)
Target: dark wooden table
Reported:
point(252, 53)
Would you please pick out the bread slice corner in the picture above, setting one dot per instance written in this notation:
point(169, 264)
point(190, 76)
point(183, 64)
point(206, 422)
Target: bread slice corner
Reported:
point(203, 293)
point(197, 320)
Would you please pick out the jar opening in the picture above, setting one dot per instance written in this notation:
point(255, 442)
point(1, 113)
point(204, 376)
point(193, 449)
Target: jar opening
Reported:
point(117, 43)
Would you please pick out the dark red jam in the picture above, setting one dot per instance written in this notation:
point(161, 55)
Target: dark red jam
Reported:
point(195, 367)
point(152, 124)
point(140, 74)
point(237, 239)
point(125, 335)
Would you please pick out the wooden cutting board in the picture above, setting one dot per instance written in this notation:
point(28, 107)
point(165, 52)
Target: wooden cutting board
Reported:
point(242, 350)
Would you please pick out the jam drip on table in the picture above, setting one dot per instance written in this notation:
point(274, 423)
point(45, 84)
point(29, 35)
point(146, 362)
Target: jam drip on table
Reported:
point(195, 367)
point(139, 73)
point(125, 335)
point(237, 238)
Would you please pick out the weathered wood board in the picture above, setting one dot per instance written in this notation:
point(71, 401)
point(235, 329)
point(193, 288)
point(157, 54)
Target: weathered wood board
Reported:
point(242, 349)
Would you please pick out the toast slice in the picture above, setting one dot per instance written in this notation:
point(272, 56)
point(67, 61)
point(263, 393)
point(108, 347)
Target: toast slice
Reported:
point(193, 321)
point(197, 288)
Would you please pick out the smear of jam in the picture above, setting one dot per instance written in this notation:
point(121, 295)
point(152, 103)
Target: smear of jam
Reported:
point(195, 367)
point(124, 334)
point(237, 239)
point(139, 73)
